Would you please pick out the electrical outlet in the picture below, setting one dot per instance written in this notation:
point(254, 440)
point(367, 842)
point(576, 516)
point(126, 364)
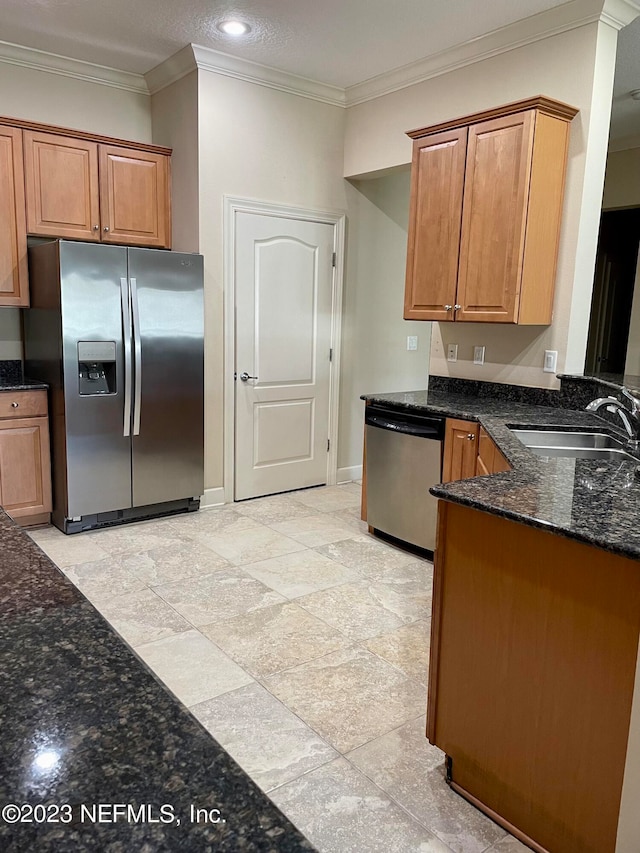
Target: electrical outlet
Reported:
point(478, 355)
point(412, 342)
point(550, 361)
point(452, 352)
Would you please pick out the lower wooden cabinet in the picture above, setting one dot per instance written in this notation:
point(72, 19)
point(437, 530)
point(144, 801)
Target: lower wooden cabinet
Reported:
point(469, 451)
point(460, 450)
point(534, 644)
point(489, 460)
point(25, 462)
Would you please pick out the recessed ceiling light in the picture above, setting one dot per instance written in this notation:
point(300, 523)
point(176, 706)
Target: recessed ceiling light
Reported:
point(234, 28)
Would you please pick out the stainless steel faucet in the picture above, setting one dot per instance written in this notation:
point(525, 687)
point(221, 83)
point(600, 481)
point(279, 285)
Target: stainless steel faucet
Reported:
point(629, 414)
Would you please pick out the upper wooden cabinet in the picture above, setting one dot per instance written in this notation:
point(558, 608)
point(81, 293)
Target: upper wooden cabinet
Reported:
point(14, 285)
point(88, 189)
point(134, 197)
point(485, 210)
point(61, 180)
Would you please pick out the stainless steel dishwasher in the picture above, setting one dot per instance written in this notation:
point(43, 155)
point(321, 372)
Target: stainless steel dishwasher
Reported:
point(403, 460)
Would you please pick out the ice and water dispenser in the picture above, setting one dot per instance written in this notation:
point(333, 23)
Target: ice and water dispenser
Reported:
point(96, 367)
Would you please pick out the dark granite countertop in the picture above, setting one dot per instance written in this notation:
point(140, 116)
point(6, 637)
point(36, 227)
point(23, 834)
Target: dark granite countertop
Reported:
point(591, 501)
point(12, 377)
point(84, 722)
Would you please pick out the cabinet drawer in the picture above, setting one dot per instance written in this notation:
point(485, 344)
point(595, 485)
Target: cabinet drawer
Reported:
point(23, 404)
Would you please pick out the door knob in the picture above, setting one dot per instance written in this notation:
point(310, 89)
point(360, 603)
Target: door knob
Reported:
point(448, 307)
point(106, 228)
point(457, 307)
point(245, 376)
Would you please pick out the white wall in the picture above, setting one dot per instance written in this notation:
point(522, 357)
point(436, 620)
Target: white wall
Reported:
point(575, 67)
point(28, 93)
point(174, 112)
point(622, 179)
point(255, 143)
point(374, 349)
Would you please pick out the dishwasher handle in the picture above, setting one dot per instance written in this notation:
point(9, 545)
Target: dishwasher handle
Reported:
point(425, 428)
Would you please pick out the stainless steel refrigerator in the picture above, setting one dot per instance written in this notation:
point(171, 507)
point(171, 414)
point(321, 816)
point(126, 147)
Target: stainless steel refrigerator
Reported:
point(117, 332)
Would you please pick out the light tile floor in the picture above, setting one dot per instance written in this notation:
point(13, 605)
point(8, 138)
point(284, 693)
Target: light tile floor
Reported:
point(301, 643)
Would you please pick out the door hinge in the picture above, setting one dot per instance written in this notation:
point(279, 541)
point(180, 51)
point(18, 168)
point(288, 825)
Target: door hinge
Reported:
point(328, 444)
point(331, 354)
point(333, 259)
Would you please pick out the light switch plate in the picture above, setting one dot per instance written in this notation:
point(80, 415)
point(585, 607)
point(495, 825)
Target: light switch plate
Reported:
point(412, 342)
point(550, 361)
point(478, 355)
point(452, 352)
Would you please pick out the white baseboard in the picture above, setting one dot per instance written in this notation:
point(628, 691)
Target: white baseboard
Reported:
point(212, 497)
point(345, 475)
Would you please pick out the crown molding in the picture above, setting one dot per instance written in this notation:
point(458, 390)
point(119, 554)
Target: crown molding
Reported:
point(560, 19)
point(53, 63)
point(171, 70)
point(568, 16)
point(206, 59)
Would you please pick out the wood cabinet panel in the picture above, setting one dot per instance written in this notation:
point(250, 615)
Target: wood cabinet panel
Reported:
point(544, 214)
point(25, 482)
point(434, 225)
point(533, 661)
point(493, 220)
point(61, 178)
point(460, 450)
point(490, 460)
point(134, 196)
point(486, 453)
point(23, 404)
point(14, 284)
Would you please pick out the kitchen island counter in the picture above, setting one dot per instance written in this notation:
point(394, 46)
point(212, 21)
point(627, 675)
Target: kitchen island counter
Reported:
point(84, 723)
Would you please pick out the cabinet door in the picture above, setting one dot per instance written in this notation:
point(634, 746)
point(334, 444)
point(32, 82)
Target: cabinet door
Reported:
point(460, 450)
point(14, 285)
point(437, 176)
point(496, 192)
point(486, 453)
point(61, 179)
point(134, 197)
point(25, 477)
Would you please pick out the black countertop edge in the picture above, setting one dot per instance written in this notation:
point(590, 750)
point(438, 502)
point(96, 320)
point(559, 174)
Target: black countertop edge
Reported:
point(594, 502)
point(24, 385)
point(84, 722)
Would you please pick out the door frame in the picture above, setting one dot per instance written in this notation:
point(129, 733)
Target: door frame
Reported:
point(337, 219)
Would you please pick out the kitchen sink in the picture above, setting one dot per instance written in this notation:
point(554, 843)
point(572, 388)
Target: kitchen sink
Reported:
point(578, 445)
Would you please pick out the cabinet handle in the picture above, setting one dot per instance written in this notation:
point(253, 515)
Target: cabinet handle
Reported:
point(448, 307)
point(96, 227)
point(457, 307)
point(106, 228)
point(15, 405)
point(471, 437)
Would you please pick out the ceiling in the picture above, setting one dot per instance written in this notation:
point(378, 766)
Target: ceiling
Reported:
point(338, 42)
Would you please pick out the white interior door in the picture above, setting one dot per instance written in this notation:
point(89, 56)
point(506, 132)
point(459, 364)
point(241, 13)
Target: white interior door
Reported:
point(284, 277)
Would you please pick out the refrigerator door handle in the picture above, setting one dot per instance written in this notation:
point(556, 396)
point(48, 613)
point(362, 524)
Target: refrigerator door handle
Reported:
point(137, 350)
point(126, 340)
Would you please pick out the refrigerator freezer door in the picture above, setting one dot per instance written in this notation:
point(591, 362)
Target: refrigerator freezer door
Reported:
point(98, 453)
point(168, 407)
